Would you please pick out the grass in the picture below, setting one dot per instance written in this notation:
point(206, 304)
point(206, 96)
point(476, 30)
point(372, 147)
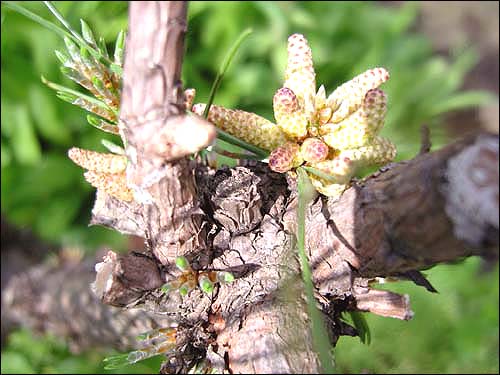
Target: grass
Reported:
point(454, 331)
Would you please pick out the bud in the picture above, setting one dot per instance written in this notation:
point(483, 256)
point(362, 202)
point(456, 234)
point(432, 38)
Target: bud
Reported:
point(189, 95)
point(225, 277)
point(184, 290)
point(112, 184)
point(285, 102)
point(360, 127)
point(182, 263)
point(286, 157)
point(313, 150)
point(97, 161)
point(299, 74)
point(329, 189)
point(205, 284)
point(348, 97)
point(288, 114)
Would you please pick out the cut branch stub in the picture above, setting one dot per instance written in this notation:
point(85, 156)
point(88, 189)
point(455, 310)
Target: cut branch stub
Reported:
point(153, 122)
point(157, 132)
point(121, 280)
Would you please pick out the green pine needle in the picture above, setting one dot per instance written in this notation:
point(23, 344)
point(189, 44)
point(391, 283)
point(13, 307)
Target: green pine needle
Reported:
point(34, 17)
point(361, 326)
point(87, 33)
point(226, 137)
point(321, 342)
point(63, 58)
point(102, 47)
point(235, 155)
point(116, 361)
point(119, 46)
point(225, 64)
point(64, 89)
point(74, 34)
point(262, 154)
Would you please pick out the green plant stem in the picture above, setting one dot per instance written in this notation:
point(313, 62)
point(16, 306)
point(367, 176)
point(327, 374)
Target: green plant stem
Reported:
point(226, 137)
point(92, 100)
point(320, 174)
point(34, 17)
point(225, 64)
point(234, 155)
point(321, 342)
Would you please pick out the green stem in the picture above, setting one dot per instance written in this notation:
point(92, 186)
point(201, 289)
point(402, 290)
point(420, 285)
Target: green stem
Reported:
point(320, 174)
point(74, 33)
point(226, 137)
point(234, 155)
point(34, 17)
point(92, 100)
point(225, 64)
point(321, 342)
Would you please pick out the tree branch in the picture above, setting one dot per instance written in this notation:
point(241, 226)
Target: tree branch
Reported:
point(407, 217)
point(55, 297)
point(150, 122)
point(164, 185)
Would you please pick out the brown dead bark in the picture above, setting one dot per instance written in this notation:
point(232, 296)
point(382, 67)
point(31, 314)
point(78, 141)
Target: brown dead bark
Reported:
point(407, 217)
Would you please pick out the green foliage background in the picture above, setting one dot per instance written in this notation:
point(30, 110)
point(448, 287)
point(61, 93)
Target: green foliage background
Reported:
point(454, 331)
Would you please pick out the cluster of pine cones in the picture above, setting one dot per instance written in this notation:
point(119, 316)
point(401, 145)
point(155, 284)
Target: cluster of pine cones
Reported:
point(335, 135)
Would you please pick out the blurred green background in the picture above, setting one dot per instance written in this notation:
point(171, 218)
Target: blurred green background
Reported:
point(453, 331)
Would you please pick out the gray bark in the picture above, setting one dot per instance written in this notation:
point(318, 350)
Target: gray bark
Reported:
point(55, 297)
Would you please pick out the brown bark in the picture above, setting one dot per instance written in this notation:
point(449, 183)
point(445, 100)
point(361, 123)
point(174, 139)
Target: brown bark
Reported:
point(55, 297)
point(168, 202)
point(150, 118)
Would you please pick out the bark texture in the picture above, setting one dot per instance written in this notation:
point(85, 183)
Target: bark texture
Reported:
point(56, 297)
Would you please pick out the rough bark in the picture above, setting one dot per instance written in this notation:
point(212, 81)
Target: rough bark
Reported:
point(168, 203)
point(407, 217)
point(151, 104)
point(55, 297)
